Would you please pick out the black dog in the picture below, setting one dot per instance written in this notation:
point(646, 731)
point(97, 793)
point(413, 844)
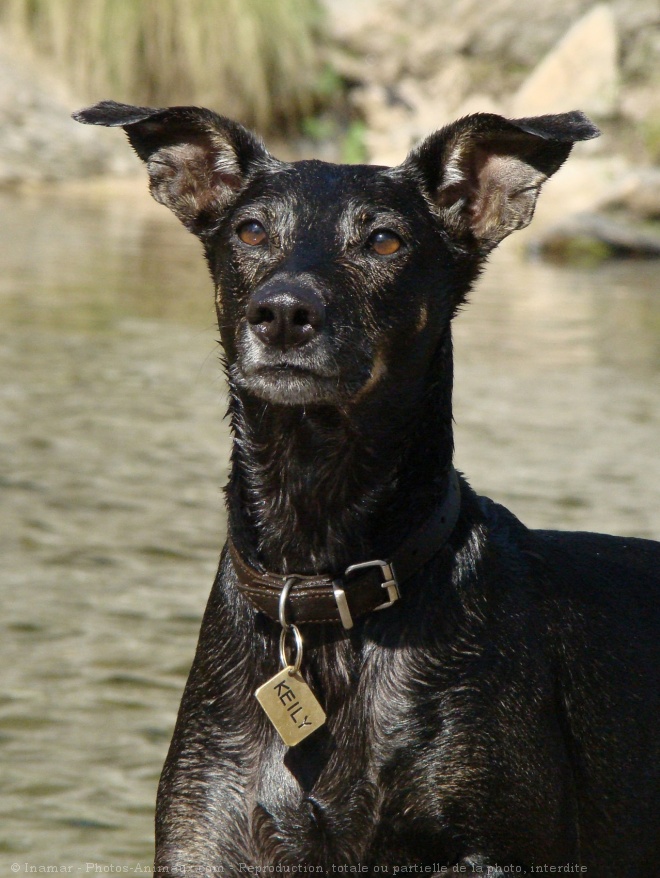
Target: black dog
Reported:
point(498, 715)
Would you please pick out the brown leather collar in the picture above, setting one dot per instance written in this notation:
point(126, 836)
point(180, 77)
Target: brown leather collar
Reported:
point(362, 588)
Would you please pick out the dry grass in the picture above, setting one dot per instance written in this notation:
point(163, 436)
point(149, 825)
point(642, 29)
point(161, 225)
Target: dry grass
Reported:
point(257, 60)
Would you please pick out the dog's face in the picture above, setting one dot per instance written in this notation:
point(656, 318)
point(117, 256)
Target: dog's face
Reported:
point(333, 280)
point(326, 277)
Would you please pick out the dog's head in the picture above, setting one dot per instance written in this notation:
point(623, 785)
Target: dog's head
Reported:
point(332, 278)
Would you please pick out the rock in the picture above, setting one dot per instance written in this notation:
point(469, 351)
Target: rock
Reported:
point(478, 103)
point(436, 60)
point(39, 141)
point(581, 72)
point(638, 193)
point(590, 238)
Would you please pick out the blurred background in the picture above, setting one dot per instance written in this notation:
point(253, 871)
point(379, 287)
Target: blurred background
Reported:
point(113, 447)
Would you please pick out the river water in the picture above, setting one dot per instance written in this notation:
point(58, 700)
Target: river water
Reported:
point(113, 451)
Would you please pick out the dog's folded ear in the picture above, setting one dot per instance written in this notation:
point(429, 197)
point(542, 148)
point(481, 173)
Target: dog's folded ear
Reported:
point(197, 161)
point(484, 172)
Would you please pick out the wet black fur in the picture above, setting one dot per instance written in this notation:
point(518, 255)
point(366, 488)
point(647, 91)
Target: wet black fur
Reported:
point(504, 713)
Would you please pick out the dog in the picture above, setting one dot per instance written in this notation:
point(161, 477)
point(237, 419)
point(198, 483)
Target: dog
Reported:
point(456, 692)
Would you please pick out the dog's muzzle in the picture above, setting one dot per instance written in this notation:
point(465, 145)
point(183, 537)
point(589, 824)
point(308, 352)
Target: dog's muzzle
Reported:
point(286, 354)
point(285, 315)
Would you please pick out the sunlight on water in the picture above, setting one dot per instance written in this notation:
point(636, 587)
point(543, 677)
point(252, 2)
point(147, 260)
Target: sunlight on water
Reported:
point(114, 450)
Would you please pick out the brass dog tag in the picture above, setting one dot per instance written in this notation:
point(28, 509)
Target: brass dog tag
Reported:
point(291, 706)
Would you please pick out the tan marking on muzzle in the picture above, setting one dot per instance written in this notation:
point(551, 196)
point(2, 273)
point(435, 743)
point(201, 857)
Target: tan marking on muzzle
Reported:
point(423, 318)
point(378, 370)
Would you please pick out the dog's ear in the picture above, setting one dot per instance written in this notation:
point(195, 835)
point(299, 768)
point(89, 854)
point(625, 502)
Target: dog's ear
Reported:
point(197, 161)
point(484, 172)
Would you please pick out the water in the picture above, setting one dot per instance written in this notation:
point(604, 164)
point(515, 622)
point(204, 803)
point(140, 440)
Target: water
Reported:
point(113, 451)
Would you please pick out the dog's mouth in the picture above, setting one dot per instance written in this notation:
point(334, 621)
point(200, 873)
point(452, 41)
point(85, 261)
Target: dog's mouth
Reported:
point(323, 371)
point(288, 383)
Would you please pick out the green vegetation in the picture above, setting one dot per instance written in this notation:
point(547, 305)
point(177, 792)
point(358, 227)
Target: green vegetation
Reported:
point(349, 136)
point(353, 149)
point(651, 137)
point(580, 251)
point(256, 60)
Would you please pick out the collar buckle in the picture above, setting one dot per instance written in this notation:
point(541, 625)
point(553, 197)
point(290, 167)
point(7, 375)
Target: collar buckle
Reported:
point(389, 583)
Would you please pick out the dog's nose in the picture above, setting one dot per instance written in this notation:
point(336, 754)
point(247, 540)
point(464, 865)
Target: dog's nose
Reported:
point(286, 316)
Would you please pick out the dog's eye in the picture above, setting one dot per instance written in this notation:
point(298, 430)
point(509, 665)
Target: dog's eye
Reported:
point(384, 243)
point(252, 233)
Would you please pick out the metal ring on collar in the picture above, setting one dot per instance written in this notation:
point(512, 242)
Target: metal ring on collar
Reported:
point(284, 597)
point(295, 667)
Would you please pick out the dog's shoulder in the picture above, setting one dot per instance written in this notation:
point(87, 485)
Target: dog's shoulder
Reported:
point(599, 588)
point(592, 562)
point(599, 563)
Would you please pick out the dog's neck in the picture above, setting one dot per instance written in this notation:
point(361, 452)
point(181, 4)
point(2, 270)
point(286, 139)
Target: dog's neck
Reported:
point(314, 489)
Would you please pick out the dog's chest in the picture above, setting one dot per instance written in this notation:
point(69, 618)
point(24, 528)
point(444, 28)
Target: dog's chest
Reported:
point(382, 778)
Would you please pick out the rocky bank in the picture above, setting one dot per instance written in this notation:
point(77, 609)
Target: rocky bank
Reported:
point(412, 67)
point(39, 142)
point(406, 68)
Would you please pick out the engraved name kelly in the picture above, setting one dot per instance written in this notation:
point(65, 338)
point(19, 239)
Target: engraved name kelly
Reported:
point(290, 701)
point(291, 706)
